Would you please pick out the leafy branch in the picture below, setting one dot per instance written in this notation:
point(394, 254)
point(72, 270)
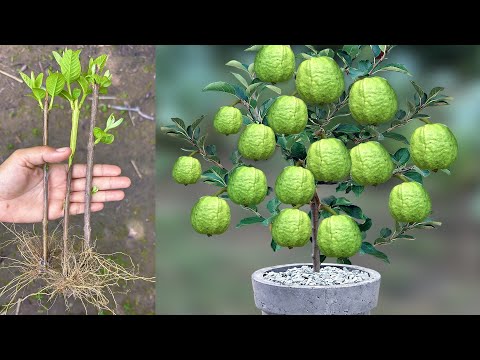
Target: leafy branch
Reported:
point(388, 236)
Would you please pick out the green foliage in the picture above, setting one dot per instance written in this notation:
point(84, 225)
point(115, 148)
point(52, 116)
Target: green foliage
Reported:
point(102, 135)
point(255, 97)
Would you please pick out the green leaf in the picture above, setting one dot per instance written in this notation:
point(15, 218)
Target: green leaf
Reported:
point(298, 151)
point(64, 94)
point(415, 176)
point(341, 201)
point(235, 157)
point(180, 123)
point(225, 87)
point(366, 225)
point(353, 211)
point(275, 89)
point(241, 79)
point(396, 136)
point(418, 89)
point(345, 261)
point(197, 122)
point(347, 129)
point(405, 237)
point(392, 67)
point(254, 48)
point(101, 61)
point(446, 171)
point(76, 93)
point(376, 50)
point(237, 64)
point(347, 60)
point(55, 83)
point(27, 80)
point(400, 114)
point(39, 80)
point(275, 247)
point(401, 156)
point(365, 66)
point(311, 48)
point(249, 221)
point(435, 91)
point(57, 57)
point(342, 186)
point(352, 50)
point(273, 205)
point(251, 88)
point(39, 94)
point(327, 52)
point(385, 232)
point(369, 249)
point(358, 190)
point(70, 65)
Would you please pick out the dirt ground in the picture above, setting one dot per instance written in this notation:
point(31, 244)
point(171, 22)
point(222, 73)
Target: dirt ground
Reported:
point(127, 226)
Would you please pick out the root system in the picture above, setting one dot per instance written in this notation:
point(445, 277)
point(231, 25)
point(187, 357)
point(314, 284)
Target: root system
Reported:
point(83, 275)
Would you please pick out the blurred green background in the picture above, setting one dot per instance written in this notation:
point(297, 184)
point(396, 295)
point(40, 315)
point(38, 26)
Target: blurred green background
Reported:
point(437, 273)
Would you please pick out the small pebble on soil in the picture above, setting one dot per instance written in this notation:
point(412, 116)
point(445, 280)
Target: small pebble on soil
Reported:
point(327, 276)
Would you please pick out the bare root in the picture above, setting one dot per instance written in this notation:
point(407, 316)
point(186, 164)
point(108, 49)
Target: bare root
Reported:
point(86, 276)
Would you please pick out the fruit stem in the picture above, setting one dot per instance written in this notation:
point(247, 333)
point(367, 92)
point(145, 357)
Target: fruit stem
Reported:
point(425, 120)
point(402, 177)
point(236, 102)
point(297, 206)
point(314, 206)
point(295, 92)
point(193, 153)
point(328, 209)
point(220, 192)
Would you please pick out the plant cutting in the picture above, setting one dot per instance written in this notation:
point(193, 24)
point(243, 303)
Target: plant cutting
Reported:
point(68, 266)
point(331, 130)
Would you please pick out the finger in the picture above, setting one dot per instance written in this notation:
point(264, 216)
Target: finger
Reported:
point(101, 196)
point(79, 208)
point(103, 183)
point(80, 170)
point(39, 155)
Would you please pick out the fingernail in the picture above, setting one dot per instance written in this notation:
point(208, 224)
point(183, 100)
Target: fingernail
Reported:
point(61, 150)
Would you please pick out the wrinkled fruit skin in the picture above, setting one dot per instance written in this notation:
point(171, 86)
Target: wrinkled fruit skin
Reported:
point(372, 101)
point(210, 216)
point(187, 170)
point(371, 164)
point(291, 228)
point(329, 160)
point(247, 186)
point(257, 142)
point(339, 236)
point(295, 186)
point(433, 147)
point(228, 120)
point(319, 80)
point(288, 115)
point(409, 202)
point(275, 63)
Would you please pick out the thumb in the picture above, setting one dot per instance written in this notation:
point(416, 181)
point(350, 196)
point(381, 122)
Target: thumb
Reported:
point(40, 155)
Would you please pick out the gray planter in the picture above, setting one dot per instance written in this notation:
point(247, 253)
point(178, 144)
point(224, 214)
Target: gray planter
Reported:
point(350, 299)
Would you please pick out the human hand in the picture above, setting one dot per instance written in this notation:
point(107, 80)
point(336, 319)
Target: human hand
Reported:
point(21, 185)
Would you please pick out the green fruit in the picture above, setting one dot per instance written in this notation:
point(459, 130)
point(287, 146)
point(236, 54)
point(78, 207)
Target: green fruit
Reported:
point(287, 115)
point(409, 202)
point(339, 236)
point(291, 228)
point(295, 185)
point(433, 147)
point(371, 164)
point(210, 215)
point(247, 186)
point(187, 170)
point(228, 120)
point(319, 80)
point(257, 142)
point(329, 160)
point(275, 63)
point(372, 101)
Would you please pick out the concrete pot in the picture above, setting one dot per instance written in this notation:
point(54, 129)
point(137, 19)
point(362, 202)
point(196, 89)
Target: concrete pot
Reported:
point(350, 299)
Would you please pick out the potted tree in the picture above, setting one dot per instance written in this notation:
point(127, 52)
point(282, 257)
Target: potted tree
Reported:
point(330, 130)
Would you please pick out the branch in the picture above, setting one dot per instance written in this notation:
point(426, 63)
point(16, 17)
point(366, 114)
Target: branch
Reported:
point(135, 109)
point(331, 116)
point(328, 209)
